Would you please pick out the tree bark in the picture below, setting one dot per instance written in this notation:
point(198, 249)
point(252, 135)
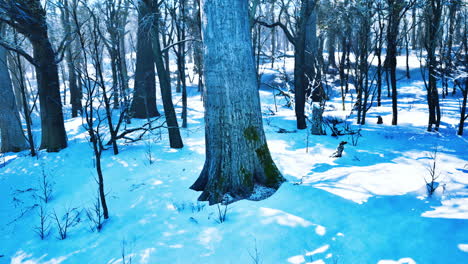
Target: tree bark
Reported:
point(30, 20)
point(433, 13)
point(237, 155)
point(12, 137)
point(75, 92)
point(175, 139)
point(144, 98)
point(396, 8)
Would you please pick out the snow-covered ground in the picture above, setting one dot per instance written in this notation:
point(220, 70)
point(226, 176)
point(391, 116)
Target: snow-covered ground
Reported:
point(370, 206)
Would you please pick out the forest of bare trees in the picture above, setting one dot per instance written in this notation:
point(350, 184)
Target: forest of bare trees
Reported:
point(117, 65)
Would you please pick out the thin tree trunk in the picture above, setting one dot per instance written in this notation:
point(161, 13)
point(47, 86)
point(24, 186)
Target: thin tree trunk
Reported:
point(175, 139)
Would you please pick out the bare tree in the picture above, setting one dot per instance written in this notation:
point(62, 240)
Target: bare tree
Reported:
point(175, 140)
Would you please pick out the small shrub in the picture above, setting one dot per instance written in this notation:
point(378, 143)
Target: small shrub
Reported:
point(255, 255)
point(69, 219)
point(126, 258)
point(43, 228)
point(434, 174)
point(222, 213)
point(149, 152)
point(95, 215)
point(45, 186)
point(198, 207)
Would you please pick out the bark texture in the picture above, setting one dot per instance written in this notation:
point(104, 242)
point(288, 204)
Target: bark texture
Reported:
point(30, 20)
point(144, 99)
point(12, 137)
point(237, 155)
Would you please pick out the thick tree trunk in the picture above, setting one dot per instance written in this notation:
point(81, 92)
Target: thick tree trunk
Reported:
point(30, 20)
point(144, 98)
point(237, 155)
point(54, 136)
point(12, 137)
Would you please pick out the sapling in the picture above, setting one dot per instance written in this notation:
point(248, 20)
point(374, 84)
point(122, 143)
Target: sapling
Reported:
point(45, 186)
point(43, 228)
point(431, 183)
point(149, 152)
point(222, 212)
point(69, 219)
point(255, 255)
point(95, 215)
point(126, 259)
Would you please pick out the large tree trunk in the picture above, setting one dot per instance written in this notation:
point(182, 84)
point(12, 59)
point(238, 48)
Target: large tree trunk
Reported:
point(54, 136)
point(144, 98)
point(237, 155)
point(12, 137)
point(30, 20)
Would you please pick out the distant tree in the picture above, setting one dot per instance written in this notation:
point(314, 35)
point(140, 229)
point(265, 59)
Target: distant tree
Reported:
point(237, 154)
point(304, 38)
point(395, 12)
point(71, 58)
point(28, 17)
point(175, 140)
point(432, 19)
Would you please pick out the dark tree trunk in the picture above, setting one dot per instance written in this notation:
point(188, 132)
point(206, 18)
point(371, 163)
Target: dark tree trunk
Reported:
point(175, 139)
point(433, 13)
point(144, 98)
point(304, 59)
point(53, 130)
point(396, 9)
point(331, 49)
point(30, 20)
point(463, 115)
point(237, 155)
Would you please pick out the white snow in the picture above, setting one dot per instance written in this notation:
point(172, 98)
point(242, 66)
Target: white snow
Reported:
point(370, 206)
